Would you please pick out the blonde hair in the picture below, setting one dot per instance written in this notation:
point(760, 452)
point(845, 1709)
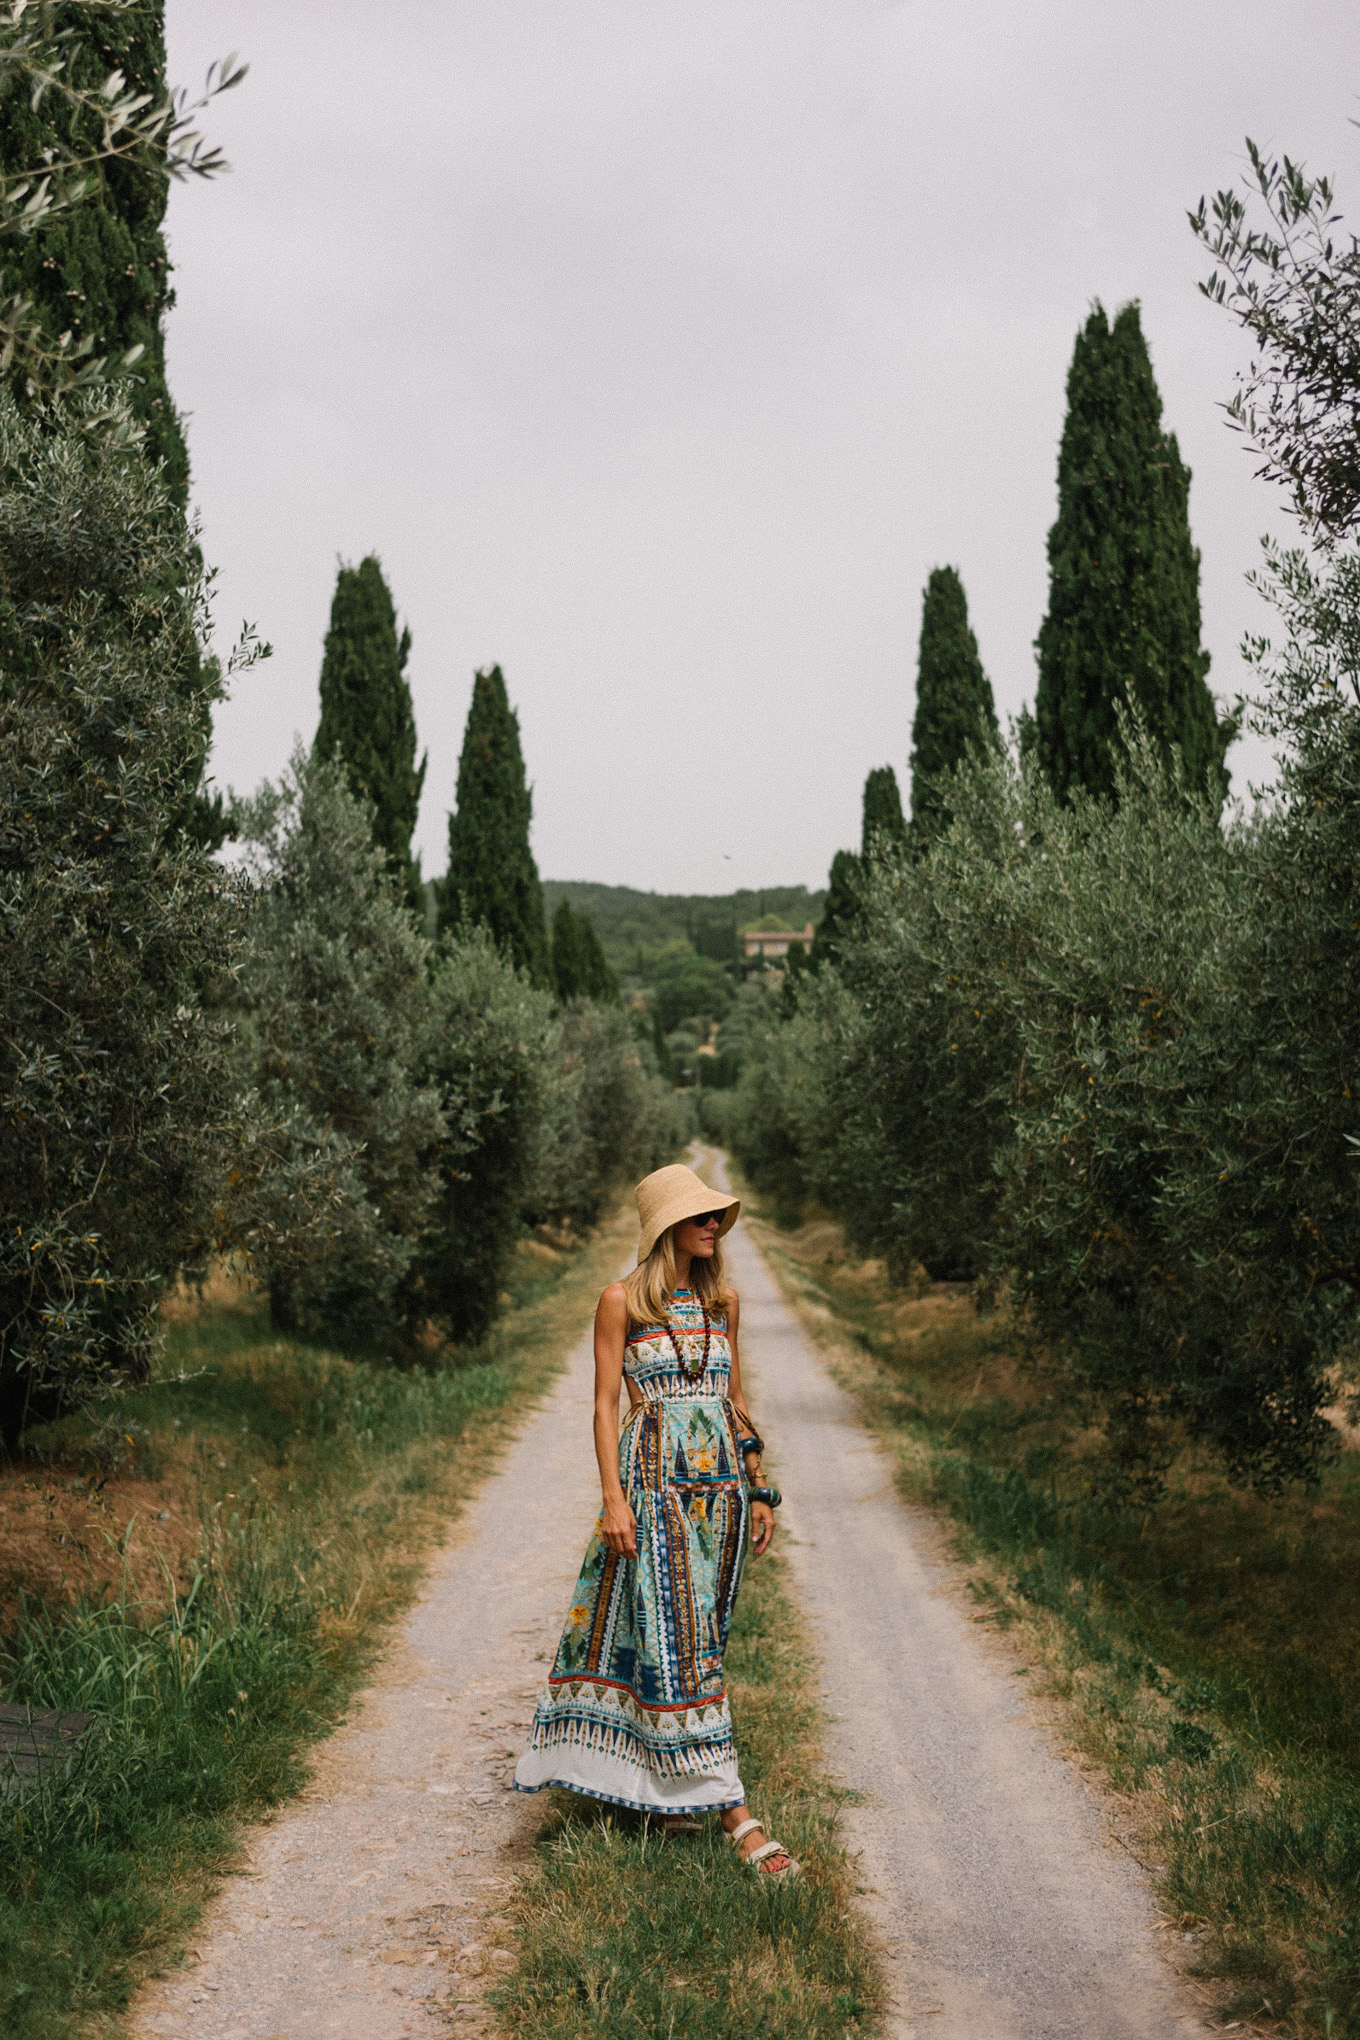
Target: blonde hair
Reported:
point(650, 1287)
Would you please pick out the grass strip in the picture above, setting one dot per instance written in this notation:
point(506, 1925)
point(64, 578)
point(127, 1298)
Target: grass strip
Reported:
point(625, 1935)
point(316, 1486)
point(1204, 1652)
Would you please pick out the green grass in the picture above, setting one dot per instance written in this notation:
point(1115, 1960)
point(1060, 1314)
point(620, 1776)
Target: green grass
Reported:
point(319, 1485)
point(624, 1935)
point(1205, 1652)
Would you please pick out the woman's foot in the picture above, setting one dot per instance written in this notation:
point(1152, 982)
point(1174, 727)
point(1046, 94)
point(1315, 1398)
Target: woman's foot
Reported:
point(678, 1823)
point(749, 1839)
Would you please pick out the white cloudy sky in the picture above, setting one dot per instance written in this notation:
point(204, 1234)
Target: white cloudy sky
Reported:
point(661, 347)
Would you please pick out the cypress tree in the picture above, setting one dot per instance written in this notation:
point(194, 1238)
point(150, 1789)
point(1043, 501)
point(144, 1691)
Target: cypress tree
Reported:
point(568, 967)
point(1123, 617)
point(665, 1061)
point(366, 712)
point(579, 967)
point(883, 822)
point(100, 269)
point(840, 915)
point(955, 712)
point(600, 981)
point(492, 879)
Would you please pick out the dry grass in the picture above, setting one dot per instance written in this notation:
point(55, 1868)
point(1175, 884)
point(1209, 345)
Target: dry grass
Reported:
point(123, 1499)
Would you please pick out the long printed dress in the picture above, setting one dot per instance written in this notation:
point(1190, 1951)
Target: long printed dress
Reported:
point(635, 1709)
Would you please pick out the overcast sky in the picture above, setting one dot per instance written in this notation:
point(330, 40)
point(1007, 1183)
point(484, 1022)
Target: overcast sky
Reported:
point(660, 348)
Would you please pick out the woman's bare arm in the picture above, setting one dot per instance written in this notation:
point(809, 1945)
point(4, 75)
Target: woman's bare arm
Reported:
point(618, 1524)
point(762, 1515)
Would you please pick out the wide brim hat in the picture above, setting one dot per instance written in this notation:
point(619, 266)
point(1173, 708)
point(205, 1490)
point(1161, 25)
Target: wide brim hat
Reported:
point(668, 1195)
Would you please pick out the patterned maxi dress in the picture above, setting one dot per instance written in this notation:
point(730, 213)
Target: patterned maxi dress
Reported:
point(635, 1710)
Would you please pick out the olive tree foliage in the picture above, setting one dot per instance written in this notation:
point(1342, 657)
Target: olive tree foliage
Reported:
point(1101, 1057)
point(1293, 282)
point(872, 1098)
point(613, 1119)
point(439, 1091)
point(98, 124)
point(490, 1050)
point(423, 1071)
point(117, 1074)
point(1160, 1171)
point(552, 1112)
point(779, 1121)
point(334, 999)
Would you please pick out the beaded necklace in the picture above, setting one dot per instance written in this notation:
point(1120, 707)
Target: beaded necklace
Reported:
point(693, 1373)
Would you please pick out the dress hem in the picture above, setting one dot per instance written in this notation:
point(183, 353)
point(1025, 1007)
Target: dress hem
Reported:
point(636, 1805)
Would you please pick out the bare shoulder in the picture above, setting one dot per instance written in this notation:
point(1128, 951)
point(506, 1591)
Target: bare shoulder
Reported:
point(733, 1302)
point(613, 1300)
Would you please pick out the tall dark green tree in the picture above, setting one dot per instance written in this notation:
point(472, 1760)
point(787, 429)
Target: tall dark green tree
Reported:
point(567, 964)
point(579, 966)
point(955, 712)
point(99, 270)
point(840, 915)
point(600, 981)
point(665, 1061)
point(883, 821)
point(714, 934)
point(366, 711)
point(492, 880)
point(1123, 616)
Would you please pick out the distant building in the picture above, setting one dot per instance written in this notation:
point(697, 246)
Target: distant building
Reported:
point(774, 941)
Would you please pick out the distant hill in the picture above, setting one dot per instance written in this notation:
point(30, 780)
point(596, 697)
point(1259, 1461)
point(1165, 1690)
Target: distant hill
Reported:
point(625, 919)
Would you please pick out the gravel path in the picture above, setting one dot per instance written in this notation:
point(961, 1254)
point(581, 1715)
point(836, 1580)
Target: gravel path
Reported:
point(1006, 1908)
point(368, 1909)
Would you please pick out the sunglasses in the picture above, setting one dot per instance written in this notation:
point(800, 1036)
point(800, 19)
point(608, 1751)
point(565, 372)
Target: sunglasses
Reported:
point(709, 1218)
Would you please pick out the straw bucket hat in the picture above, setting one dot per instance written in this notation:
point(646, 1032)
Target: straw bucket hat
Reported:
point(668, 1195)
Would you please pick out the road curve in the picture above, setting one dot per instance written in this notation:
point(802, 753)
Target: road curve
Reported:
point(1006, 1909)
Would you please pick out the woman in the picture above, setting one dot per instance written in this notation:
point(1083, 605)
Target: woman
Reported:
point(635, 1709)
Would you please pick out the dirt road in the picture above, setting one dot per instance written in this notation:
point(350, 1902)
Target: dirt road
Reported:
point(363, 1913)
point(1009, 1911)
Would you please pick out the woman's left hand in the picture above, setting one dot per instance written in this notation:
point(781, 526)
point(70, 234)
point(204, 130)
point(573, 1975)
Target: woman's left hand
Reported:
point(762, 1527)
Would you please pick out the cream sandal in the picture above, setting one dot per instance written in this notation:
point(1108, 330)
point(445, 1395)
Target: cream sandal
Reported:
point(757, 1858)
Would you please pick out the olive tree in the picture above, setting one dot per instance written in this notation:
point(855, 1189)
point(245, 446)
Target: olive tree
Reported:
point(335, 1009)
point(117, 1074)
